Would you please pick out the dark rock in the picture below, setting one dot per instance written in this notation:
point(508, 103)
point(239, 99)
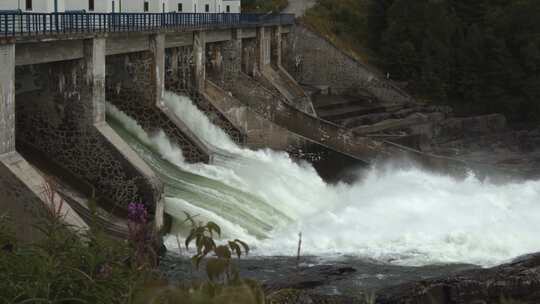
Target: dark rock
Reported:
point(296, 296)
point(311, 277)
point(454, 128)
point(518, 280)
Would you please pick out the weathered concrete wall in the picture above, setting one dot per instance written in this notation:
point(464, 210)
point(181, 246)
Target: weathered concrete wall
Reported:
point(178, 40)
point(7, 98)
point(283, 85)
point(199, 58)
point(263, 47)
point(134, 84)
point(313, 60)
point(35, 53)
point(23, 198)
point(260, 132)
point(276, 46)
point(61, 117)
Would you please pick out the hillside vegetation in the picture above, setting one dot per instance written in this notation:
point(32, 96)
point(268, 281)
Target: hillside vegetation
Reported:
point(479, 56)
point(264, 6)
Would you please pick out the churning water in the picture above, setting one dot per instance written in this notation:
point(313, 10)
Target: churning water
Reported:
point(406, 216)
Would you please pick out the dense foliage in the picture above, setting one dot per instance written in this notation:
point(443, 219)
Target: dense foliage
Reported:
point(264, 6)
point(479, 56)
point(64, 267)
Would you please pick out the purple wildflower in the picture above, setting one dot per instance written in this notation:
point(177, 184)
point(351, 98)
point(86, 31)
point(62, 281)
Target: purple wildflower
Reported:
point(137, 213)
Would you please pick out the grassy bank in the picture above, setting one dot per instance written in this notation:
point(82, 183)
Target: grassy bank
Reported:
point(343, 23)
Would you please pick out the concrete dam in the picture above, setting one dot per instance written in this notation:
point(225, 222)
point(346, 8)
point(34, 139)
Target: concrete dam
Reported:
point(207, 117)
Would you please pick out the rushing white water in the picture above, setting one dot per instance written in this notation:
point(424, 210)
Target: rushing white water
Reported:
point(406, 216)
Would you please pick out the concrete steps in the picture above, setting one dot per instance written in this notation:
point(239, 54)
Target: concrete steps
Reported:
point(285, 85)
point(330, 135)
point(352, 112)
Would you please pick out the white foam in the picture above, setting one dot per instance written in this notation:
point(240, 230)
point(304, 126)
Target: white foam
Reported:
point(402, 215)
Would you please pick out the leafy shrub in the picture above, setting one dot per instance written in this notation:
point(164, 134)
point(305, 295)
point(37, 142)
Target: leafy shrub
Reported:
point(224, 285)
point(64, 266)
point(71, 266)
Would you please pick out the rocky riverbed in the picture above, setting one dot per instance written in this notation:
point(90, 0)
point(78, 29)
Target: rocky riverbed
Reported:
point(353, 280)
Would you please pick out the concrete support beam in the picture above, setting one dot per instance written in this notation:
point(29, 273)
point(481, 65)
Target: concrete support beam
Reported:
point(174, 61)
point(157, 48)
point(236, 45)
point(94, 57)
point(262, 51)
point(199, 56)
point(7, 98)
point(276, 46)
point(259, 49)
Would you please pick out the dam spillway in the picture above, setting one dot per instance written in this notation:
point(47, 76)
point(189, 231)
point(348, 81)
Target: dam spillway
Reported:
point(400, 215)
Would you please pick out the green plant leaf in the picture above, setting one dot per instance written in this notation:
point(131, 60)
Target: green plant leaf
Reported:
point(190, 219)
point(246, 247)
point(214, 227)
point(190, 237)
point(208, 244)
point(236, 248)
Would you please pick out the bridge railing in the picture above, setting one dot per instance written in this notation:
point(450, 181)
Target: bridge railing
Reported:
point(13, 24)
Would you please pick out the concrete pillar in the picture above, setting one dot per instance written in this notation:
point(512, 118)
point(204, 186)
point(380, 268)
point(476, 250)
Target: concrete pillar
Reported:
point(199, 56)
point(94, 56)
point(260, 49)
point(276, 46)
point(174, 62)
point(7, 98)
point(157, 48)
point(236, 44)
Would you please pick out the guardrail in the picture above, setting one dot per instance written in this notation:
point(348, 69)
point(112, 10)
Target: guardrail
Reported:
point(14, 24)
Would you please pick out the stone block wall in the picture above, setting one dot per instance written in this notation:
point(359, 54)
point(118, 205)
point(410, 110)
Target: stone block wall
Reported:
point(55, 119)
point(179, 67)
point(131, 87)
point(312, 59)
